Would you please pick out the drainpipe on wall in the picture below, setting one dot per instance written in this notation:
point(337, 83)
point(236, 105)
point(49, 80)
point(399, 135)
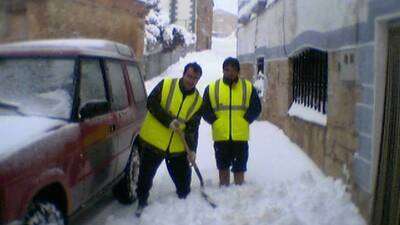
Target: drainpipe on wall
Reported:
point(194, 16)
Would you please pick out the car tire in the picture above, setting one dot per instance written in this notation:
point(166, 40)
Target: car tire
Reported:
point(44, 212)
point(125, 190)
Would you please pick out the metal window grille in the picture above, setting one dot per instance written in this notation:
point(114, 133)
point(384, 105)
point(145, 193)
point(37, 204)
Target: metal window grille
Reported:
point(310, 79)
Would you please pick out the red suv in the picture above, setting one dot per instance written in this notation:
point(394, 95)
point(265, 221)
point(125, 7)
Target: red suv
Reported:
point(69, 114)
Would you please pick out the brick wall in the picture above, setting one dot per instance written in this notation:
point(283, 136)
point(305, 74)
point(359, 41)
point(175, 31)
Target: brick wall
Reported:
point(117, 20)
point(246, 70)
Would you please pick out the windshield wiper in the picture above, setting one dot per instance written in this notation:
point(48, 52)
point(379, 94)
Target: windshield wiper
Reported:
point(10, 105)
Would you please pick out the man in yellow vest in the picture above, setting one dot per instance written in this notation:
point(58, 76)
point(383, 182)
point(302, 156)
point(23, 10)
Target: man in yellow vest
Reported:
point(174, 104)
point(231, 104)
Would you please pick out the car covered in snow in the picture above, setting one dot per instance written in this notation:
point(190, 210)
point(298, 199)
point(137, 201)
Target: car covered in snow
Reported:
point(69, 114)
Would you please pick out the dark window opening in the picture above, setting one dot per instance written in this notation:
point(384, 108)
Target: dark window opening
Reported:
point(260, 65)
point(310, 79)
point(260, 78)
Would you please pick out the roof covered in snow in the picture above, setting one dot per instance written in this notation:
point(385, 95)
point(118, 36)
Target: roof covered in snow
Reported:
point(94, 47)
point(149, 2)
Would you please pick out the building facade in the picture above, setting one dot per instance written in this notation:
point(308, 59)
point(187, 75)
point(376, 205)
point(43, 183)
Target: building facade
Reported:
point(340, 60)
point(195, 16)
point(224, 23)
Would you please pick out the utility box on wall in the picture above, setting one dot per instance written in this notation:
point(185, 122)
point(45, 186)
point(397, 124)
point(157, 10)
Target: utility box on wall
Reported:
point(346, 65)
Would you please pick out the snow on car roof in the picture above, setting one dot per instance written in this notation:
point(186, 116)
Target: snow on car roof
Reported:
point(93, 47)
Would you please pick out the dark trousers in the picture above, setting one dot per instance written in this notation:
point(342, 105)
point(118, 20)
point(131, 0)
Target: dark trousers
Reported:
point(232, 154)
point(178, 168)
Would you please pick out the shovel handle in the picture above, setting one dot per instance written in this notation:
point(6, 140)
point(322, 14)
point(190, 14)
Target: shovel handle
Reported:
point(187, 149)
point(196, 169)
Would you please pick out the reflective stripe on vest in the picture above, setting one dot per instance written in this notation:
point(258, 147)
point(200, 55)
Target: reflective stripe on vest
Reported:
point(230, 116)
point(154, 132)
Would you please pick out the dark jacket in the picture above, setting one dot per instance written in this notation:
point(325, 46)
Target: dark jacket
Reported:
point(251, 114)
point(154, 107)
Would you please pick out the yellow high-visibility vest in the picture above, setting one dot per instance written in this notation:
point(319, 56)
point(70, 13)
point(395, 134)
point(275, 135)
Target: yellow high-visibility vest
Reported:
point(230, 106)
point(155, 133)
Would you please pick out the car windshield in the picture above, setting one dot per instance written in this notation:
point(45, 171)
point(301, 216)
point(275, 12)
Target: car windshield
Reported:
point(37, 86)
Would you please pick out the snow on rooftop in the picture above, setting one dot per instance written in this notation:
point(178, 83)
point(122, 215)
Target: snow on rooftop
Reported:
point(96, 45)
point(149, 2)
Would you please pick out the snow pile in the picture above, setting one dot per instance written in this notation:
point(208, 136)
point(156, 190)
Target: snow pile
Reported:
point(249, 7)
point(307, 113)
point(160, 35)
point(175, 35)
point(57, 102)
point(284, 187)
point(17, 131)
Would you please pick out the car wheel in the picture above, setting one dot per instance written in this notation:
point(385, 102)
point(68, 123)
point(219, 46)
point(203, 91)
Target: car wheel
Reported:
point(125, 190)
point(42, 213)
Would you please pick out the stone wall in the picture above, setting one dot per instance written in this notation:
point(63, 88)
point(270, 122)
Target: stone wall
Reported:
point(341, 142)
point(246, 71)
point(331, 147)
point(278, 92)
point(155, 64)
point(342, 138)
point(117, 20)
point(356, 89)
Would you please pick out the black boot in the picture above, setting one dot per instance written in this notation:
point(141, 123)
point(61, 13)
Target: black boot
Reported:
point(140, 208)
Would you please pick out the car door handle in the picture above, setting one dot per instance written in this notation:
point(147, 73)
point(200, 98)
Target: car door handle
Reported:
point(112, 128)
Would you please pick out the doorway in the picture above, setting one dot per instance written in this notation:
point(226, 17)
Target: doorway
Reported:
point(387, 204)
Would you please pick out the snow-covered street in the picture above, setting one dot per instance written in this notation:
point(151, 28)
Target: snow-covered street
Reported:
point(283, 186)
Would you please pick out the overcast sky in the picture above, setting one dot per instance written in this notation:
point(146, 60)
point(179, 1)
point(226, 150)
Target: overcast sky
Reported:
point(227, 5)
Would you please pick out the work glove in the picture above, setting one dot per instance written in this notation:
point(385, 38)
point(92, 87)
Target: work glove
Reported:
point(175, 125)
point(191, 156)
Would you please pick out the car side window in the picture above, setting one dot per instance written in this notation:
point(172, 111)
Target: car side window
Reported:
point(138, 89)
point(92, 88)
point(118, 89)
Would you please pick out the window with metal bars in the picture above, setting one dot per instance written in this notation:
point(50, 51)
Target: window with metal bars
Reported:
point(310, 79)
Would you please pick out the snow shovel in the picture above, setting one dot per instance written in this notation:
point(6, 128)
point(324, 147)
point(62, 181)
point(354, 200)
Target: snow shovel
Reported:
point(196, 169)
